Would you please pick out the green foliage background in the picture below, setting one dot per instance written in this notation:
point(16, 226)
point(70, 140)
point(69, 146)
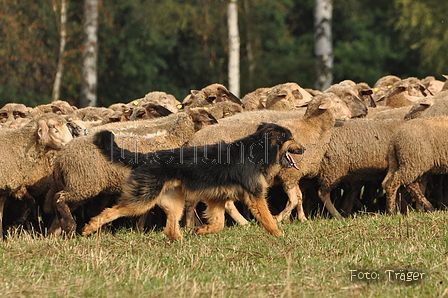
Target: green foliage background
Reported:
point(179, 45)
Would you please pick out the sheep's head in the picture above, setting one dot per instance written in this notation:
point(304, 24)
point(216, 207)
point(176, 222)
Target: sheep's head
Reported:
point(149, 111)
point(12, 111)
point(286, 97)
point(329, 102)
point(350, 95)
point(53, 131)
point(210, 95)
point(201, 118)
point(404, 93)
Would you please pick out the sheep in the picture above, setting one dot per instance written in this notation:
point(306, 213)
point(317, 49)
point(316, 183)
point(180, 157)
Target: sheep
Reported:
point(282, 97)
point(350, 95)
point(59, 107)
point(434, 86)
point(12, 111)
point(355, 154)
point(286, 97)
point(224, 109)
point(81, 172)
point(28, 144)
point(209, 95)
point(405, 92)
point(439, 107)
point(382, 86)
point(419, 108)
point(149, 111)
point(90, 114)
point(418, 148)
point(254, 100)
point(163, 99)
point(312, 131)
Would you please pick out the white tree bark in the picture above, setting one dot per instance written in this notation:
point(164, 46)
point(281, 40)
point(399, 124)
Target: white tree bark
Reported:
point(323, 48)
point(63, 38)
point(89, 56)
point(234, 48)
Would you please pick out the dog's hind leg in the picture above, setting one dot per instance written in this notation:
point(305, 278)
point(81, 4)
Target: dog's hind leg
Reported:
point(260, 210)
point(215, 218)
point(123, 208)
point(172, 202)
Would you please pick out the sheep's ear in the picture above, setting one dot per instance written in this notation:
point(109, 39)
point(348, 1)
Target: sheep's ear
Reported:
point(42, 130)
point(326, 105)
point(194, 92)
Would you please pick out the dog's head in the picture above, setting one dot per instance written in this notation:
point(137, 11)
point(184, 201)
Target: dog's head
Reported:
point(281, 140)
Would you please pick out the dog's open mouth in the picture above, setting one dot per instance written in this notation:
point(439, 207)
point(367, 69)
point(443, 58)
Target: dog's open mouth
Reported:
point(291, 161)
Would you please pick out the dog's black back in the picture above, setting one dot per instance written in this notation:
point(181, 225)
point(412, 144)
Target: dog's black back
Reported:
point(199, 168)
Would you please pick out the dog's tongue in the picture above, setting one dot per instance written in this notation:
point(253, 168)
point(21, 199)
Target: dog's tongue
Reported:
point(292, 161)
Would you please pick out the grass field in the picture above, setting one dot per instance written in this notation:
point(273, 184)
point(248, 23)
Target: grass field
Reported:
point(319, 258)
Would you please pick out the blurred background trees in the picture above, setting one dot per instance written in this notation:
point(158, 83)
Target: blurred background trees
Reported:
point(179, 45)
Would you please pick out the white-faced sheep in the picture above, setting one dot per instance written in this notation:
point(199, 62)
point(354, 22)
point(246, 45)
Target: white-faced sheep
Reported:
point(81, 172)
point(418, 148)
point(22, 148)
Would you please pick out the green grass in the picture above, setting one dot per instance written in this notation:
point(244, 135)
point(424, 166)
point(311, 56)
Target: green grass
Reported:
point(313, 259)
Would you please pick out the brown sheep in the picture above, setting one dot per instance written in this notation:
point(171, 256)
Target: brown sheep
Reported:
point(28, 144)
point(209, 95)
point(404, 93)
point(256, 99)
point(13, 111)
point(417, 149)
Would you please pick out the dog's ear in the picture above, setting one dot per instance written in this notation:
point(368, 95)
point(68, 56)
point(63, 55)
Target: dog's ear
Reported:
point(276, 134)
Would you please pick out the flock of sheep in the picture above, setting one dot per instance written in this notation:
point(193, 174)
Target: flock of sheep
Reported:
point(391, 154)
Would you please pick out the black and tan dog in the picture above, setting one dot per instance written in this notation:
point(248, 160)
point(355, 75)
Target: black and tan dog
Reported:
point(213, 174)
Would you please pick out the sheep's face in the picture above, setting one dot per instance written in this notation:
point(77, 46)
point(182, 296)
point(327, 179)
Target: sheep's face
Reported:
point(54, 132)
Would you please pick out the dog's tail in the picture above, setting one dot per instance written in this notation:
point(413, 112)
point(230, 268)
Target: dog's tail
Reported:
point(104, 140)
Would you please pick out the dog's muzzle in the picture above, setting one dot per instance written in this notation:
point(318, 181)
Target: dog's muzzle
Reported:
point(294, 149)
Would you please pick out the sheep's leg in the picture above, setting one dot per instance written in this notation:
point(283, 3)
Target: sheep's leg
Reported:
point(172, 202)
point(64, 213)
point(324, 195)
point(55, 227)
point(295, 200)
point(416, 193)
point(353, 195)
point(190, 208)
point(2, 205)
point(260, 210)
point(124, 207)
point(391, 188)
point(215, 218)
point(142, 221)
point(235, 214)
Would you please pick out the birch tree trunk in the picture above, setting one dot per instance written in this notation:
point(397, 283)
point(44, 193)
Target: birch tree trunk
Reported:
point(63, 37)
point(323, 48)
point(234, 48)
point(89, 56)
point(250, 53)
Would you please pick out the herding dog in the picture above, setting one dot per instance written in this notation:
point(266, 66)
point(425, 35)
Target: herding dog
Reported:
point(212, 174)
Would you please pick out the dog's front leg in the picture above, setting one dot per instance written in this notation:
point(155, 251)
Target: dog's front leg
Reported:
point(260, 210)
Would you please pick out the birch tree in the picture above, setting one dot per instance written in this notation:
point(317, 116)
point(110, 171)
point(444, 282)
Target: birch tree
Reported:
point(63, 37)
point(234, 48)
point(89, 56)
point(323, 48)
